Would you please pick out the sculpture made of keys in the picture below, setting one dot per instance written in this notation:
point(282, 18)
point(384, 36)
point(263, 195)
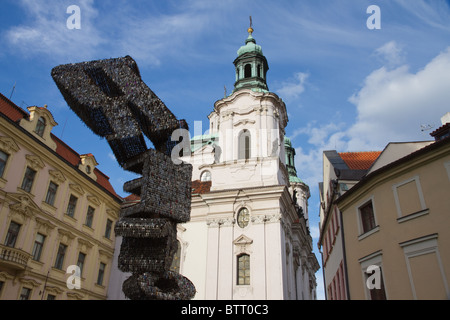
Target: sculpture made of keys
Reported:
point(113, 101)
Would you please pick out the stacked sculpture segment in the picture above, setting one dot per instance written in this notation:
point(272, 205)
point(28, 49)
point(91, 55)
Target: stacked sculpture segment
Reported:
point(113, 101)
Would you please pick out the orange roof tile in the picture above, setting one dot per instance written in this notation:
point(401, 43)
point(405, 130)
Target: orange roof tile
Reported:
point(201, 187)
point(360, 160)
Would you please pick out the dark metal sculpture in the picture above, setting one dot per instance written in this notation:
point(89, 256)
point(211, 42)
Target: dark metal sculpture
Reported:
point(113, 101)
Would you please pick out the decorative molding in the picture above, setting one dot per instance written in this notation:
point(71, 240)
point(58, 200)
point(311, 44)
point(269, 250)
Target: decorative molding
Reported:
point(215, 223)
point(105, 254)
point(84, 245)
point(8, 145)
point(44, 226)
point(35, 162)
point(77, 188)
point(65, 236)
point(74, 295)
point(57, 175)
point(30, 282)
point(94, 200)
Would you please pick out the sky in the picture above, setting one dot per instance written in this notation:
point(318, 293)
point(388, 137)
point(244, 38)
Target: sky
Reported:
point(347, 86)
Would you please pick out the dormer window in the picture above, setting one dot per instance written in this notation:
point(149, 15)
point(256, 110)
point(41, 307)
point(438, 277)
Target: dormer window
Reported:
point(40, 127)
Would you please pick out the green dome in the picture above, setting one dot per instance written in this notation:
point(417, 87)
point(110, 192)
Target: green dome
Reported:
point(250, 47)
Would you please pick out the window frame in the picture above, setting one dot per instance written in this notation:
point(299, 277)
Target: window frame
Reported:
point(71, 213)
point(246, 268)
point(3, 163)
point(60, 257)
point(89, 221)
point(52, 190)
point(362, 232)
point(39, 246)
point(13, 233)
point(40, 127)
point(28, 179)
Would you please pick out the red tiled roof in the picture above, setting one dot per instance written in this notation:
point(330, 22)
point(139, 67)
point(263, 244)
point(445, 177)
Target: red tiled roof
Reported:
point(11, 110)
point(15, 113)
point(201, 187)
point(360, 160)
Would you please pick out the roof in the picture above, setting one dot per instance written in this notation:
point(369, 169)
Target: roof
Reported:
point(201, 187)
point(360, 160)
point(15, 114)
point(410, 157)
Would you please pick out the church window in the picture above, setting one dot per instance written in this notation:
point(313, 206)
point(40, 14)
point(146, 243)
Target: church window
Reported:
point(248, 71)
point(40, 127)
point(243, 262)
point(259, 71)
point(205, 176)
point(243, 218)
point(244, 145)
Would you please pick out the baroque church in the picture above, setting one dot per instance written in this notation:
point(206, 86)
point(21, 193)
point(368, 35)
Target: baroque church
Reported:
point(248, 237)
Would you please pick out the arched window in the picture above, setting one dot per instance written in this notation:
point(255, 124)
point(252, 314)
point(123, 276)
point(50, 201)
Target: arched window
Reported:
point(248, 71)
point(243, 269)
point(205, 176)
point(259, 71)
point(244, 145)
point(40, 126)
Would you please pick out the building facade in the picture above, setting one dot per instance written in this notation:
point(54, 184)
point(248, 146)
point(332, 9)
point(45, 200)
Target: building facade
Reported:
point(394, 225)
point(57, 213)
point(341, 171)
point(248, 237)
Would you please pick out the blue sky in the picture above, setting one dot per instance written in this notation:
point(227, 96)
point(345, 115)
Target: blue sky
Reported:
point(346, 87)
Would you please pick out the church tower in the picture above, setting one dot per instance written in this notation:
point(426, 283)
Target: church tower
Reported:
point(248, 236)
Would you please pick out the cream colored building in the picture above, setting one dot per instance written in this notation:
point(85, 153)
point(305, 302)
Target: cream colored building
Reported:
point(396, 223)
point(57, 210)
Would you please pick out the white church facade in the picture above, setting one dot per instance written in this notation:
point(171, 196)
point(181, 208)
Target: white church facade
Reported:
point(248, 237)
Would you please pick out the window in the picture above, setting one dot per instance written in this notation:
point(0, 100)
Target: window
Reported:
point(80, 262)
point(108, 228)
point(38, 245)
point(60, 256)
point(243, 262)
point(259, 71)
point(28, 179)
point(51, 297)
point(51, 193)
point(367, 217)
point(1, 287)
point(13, 233)
point(248, 71)
point(101, 273)
point(244, 145)
point(377, 294)
point(71, 206)
point(40, 127)
point(25, 294)
point(205, 176)
point(243, 218)
point(3, 159)
point(89, 216)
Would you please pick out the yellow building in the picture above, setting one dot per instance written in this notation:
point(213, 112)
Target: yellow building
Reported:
point(57, 213)
point(396, 223)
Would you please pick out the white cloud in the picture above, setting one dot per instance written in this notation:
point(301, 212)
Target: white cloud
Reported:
point(391, 53)
point(294, 87)
point(392, 105)
point(45, 31)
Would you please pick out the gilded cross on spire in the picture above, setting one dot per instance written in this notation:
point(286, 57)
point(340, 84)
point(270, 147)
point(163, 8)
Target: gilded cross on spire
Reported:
point(250, 30)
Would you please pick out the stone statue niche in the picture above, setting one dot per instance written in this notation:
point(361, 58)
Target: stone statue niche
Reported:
point(112, 100)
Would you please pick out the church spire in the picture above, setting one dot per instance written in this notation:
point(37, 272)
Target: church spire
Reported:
point(251, 65)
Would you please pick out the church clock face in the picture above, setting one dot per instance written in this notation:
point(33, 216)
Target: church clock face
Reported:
point(243, 218)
